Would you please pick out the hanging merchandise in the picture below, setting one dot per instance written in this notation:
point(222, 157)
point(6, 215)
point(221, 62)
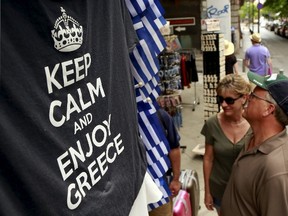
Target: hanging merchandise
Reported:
point(147, 17)
point(171, 85)
point(173, 43)
point(190, 73)
point(214, 70)
point(69, 140)
point(169, 73)
point(185, 81)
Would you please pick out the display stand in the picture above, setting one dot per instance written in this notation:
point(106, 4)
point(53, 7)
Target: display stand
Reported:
point(196, 99)
point(213, 70)
point(192, 74)
point(170, 84)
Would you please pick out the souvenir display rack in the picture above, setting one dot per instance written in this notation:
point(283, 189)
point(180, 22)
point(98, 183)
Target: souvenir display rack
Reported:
point(170, 84)
point(212, 45)
point(169, 73)
point(191, 73)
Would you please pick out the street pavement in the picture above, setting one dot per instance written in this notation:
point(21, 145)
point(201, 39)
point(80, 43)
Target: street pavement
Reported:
point(193, 113)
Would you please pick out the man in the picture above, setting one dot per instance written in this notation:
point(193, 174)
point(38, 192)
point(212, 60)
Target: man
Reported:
point(258, 183)
point(175, 160)
point(257, 57)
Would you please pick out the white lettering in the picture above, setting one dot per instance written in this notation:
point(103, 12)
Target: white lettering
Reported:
point(102, 163)
point(83, 122)
point(118, 142)
point(99, 128)
point(87, 62)
point(66, 72)
point(83, 105)
point(107, 123)
point(52, 119)
point(79, 68)
point(90, 145)
point(93, 173)
point(77, 195)
point(72, 105)
point(84, 183)
point(110, 160)
point(68, 69)
point(95, 91)
point(77, 154)
point(62, 165)
point(50, 77)
point(76, 158)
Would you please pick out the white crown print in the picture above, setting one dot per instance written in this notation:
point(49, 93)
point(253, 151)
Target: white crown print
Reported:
point(67, 33)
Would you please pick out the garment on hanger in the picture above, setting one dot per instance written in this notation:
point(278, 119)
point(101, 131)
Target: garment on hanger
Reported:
point(191, 69)
point(147, 17)
point(184, 74)
point(67, 99)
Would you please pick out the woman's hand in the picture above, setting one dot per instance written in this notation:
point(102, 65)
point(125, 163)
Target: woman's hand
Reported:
point(208, 200)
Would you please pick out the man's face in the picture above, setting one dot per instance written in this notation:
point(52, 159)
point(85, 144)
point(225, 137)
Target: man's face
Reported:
point(256, 105)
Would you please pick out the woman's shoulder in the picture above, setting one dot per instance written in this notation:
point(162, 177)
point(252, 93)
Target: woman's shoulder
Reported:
point(212, 120)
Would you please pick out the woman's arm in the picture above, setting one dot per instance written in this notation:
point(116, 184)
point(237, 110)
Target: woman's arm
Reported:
point(235, 68)
point(207, 167)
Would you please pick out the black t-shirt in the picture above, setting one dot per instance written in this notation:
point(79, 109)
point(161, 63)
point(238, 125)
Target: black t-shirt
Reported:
point(229, 63)
point(69, 142)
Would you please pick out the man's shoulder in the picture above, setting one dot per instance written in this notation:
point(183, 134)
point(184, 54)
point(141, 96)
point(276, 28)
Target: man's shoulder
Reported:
point(163, 113)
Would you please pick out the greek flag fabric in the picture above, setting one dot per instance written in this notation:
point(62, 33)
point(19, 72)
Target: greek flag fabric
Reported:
point(147, 17)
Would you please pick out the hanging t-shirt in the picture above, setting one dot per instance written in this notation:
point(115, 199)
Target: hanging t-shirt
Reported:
point(230, 61)
point(69, 141)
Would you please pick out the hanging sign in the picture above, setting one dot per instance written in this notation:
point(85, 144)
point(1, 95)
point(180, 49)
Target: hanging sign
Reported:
point(182, 21)
point(212, 24)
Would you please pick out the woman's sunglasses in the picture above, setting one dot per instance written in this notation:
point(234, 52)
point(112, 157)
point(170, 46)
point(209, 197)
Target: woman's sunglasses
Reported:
point(228, 100)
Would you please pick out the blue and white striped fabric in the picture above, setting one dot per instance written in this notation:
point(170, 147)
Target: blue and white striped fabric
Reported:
point(138, 7)
point(150, 90)
point(151, 14)
point(145, 65)
point(147, 17)
point(163, 188)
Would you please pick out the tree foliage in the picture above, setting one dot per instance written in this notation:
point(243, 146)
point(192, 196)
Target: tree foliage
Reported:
point(248, 10)
point(276, 8)
point(272, 9)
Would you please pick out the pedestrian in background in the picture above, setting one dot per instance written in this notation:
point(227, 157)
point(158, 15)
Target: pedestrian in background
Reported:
point(259, 180)
point(224, 137)
point(257, 57)
point(231, 64)
point(173, 174)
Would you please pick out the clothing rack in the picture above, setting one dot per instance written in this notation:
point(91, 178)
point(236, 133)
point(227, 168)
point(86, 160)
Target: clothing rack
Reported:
point(190, 55)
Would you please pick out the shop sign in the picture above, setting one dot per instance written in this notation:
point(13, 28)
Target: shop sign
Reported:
point(182, 21)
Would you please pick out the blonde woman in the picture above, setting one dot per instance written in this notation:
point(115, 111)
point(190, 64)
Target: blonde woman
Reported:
point(224, 137)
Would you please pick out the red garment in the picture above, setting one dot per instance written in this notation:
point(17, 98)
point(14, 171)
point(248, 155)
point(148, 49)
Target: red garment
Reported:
point(185, 81)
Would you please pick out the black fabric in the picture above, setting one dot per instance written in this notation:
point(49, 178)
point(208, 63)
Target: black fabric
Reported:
point(62, 114)
point(194, 72)
point(229, 63)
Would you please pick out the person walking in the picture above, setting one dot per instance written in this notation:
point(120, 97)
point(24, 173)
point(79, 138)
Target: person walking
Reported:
point(259, 180)
point(224, 137)
point(231, 64)
point(257, 57)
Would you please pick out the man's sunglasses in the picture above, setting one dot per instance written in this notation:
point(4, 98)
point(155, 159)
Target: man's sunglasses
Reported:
point(253, 95)
point(228, 100)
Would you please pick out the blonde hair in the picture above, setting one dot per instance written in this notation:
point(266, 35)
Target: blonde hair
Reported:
point(234, 83)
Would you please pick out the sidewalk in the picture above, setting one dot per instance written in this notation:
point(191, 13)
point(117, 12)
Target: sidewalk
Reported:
point(194, 120)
